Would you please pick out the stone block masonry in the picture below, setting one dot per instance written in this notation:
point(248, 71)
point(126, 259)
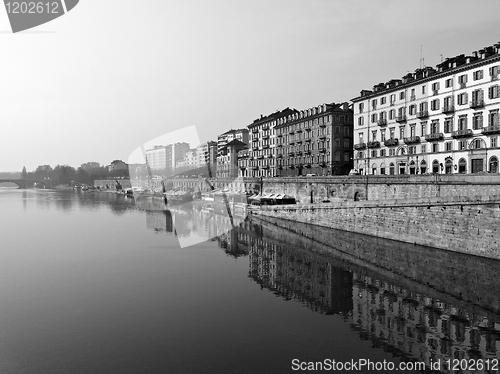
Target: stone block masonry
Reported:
point(465, 225)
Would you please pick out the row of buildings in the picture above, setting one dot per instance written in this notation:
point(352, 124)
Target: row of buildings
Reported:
point(435, 120)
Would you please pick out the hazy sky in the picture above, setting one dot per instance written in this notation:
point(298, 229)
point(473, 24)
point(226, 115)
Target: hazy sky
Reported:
point(111, 75)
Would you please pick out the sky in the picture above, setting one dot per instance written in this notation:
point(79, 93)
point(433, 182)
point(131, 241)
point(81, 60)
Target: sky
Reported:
point(112, 75)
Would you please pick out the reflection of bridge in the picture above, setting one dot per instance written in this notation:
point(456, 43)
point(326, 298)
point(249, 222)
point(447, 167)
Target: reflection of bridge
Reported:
point(26, 183)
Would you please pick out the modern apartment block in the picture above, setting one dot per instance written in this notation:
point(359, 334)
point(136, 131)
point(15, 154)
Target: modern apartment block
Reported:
point(317, 140)
point(261, 160)
point(435, 120)
point(165, 157)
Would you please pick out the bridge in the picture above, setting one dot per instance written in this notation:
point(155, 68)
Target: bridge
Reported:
point(27, 183)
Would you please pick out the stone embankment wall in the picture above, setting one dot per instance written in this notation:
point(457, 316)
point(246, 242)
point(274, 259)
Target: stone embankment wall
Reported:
point(343, 188)
point(465, 225)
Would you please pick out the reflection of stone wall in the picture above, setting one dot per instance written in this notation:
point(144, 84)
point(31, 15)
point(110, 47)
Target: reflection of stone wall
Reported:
point(446, 274)
point(402, 303)
point(159, 221)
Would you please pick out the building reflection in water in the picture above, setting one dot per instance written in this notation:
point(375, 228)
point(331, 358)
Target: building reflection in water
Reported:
point(415, 326)
point(399, 315)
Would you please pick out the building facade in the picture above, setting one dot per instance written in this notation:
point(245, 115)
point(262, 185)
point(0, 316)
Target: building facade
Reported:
point(227, 161)
point(228, 136)
point(435, 120)
point(262, 156)
point(316, 141)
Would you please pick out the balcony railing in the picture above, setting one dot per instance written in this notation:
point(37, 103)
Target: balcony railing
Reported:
point(265, 136)
point(423, 114)
point(373, 144)
point(260, 157)
point(322, 137)
point(360, 146)
point(412, 140)
point(322, 125)
point(434, 137)
point(477, 103)
point(448, 109)
point(382, 122)
point(401, 118)
point(391, 142)
point(462, 133)
point(463, 85)
point(494, 129)
point(291, 132)
point(265, 127)
point(322, 150)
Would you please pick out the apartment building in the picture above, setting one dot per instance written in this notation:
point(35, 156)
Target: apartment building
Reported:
point(227, 161)
point(317, 140)
point(228, 136)
point(261, 156)
point(435, 120)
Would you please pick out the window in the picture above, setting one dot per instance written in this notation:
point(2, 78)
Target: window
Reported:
point(412, 131)
point(412, 150)
point(435, 126)
point(360, 137)
point(392, 114)
point(435, 147)
point(462, 80)
point(382, 135)
point(435, 104)
point(401, 112)
point(401, 132)
point(435, 166)
point(374, 153)
point(477, 121)
point(412, 97)
point(382, 153)
point(374, 135)
point(448, 103)
point(346, 157)
point(477, 75)
point(391, 168)
point(392, 151)
point(401, 95)
point(493, 119)
point(493, 142)
point(361, 121)
point(494, 72)
point(448, 83)
point(393, 99)
point(494, 92)
point(382, 168)
point(477, 98)
point(462, 144)
point(337, 142)
point(424, 90)
point(462, 122)
point(361, 107)
point(435, 87)
point(448, 125)
point(346, 143)
point(447, 146)
point(462, 98)
point(382, 100)
point(391, 130)
point(374, 104)
point(337, 130)
point(462, 165)
point(423, 148)
point(423, 107)
point(374, 117)
point(347, 131)
point(412, 110)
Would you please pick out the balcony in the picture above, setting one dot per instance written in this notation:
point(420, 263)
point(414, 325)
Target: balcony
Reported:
point(307, 129)
point(255, 130)
point(391, 142)
point(265, 167)
point(412, 140)
point(265, 127)
point(307, 152)
point(322, 124)
point(308, 140)
point(291, 154)
point(374, 144)
point(434, 137)
point(291, 132)
point(463, 85)
point(265, 146)
point(299, 131)
point(299, 153)
point(413, 98)
point(360, 146)
point(279, 135)
point(279, 156)
point(423, 114)
point(322, 137)
point(255, 148)
point(322, 150)
point(401, 118)
point(382, 122)
point(494, 129)
point(260, 157)
point(477, 104)
point(462, 133)
point(448, 109)
point(299, 141)
point(265, 136)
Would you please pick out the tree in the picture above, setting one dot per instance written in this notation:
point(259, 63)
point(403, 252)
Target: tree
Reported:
point(24, 173)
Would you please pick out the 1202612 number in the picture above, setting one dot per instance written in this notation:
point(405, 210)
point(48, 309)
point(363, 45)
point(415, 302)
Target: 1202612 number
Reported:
point(32, 7)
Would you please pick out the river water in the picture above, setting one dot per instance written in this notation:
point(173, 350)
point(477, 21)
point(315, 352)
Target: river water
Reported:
point(93, 283)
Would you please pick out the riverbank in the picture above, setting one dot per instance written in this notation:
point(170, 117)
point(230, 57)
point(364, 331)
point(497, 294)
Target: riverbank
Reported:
point(463, 225)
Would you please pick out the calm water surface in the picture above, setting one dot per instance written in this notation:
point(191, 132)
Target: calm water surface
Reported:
point(90, 283)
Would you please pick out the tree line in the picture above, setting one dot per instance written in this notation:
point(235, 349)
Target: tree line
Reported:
point(68, 175)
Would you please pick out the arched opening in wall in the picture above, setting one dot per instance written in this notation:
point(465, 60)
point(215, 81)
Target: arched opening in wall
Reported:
point(382, 168)
point(423, 167)
point(374, 169)
point(435, 167)
point(493, 164)
point(356, 196)
point(462, 166)
point(413, 167)
point(448, 166)
point(391, 168)
point(402, 168)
